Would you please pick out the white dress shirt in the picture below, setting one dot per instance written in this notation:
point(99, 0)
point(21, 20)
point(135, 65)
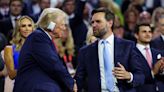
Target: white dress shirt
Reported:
point(13, 20)
point(162, 37)
point(142, 49)
point(110, 39)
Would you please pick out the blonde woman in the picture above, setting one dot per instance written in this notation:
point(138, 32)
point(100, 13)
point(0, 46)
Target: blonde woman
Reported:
point(65, 48)
point(24, 27)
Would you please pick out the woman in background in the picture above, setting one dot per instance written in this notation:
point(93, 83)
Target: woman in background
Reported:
point(24, 27)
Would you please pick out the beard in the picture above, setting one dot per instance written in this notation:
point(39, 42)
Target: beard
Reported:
point(100, 32)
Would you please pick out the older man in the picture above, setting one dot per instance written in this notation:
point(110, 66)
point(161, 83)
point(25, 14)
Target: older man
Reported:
point(40, 69)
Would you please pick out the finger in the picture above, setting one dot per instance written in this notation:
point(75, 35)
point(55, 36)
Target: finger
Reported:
point(118, 77)
point(119, 72)
point(117, 69)
point(120, 65)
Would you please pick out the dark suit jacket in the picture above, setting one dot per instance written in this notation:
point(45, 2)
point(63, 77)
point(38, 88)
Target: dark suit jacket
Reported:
point(2, 78)
point(77, 25)
point(40, 69)
point(158, 43)
point(4, 16)
point(7, 28)
point(150, 82)
point(89, 66)
point(3, 42)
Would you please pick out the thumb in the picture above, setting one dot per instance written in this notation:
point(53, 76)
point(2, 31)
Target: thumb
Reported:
point(120, 65)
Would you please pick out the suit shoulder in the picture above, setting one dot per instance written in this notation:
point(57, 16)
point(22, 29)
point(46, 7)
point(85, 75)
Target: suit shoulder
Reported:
point(37, 33)
point(124, 41)
point(156, 51)
point(87, 47)
point(156, 40)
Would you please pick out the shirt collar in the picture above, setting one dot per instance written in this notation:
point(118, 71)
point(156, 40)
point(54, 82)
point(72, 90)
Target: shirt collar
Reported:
point(110, 39)
point(142, 47)
point(162, 37)
point(13, 17)
point(47, 34)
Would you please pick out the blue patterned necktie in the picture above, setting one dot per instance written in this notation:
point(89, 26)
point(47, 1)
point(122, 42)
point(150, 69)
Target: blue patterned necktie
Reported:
point(108, 66)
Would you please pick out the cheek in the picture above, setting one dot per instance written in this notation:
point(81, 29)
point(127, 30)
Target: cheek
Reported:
point(30, 29)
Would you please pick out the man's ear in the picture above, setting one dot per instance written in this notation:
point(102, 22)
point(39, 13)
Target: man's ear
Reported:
point(110, 22)
point(136, 35)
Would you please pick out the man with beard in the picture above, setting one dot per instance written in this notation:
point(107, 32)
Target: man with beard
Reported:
point(109, 64)
point(151, 60)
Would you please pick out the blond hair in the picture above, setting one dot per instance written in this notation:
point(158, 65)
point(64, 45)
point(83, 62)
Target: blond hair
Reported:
point(48, 15)
point(17, 38)
point(69, 44)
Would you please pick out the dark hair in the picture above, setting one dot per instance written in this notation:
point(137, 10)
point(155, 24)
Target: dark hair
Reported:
point(16, 0)
point(139, 25)
point(108, 14)
point(65, 1)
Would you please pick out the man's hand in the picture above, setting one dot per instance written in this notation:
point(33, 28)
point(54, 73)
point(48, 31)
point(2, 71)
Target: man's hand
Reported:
point(121, 73)
point(75, 86)
point(159, 66)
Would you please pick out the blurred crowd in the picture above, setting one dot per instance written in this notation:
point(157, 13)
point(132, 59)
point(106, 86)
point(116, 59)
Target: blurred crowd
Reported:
point(78, 32)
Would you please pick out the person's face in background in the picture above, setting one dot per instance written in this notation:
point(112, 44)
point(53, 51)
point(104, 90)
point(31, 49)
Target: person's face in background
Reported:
point(44, 4)
point(131, 17)
point(145, 17)
point(100, 25)
point(144, 35)
point(69, 7)
point(26, 27)
point(4, 4)
point(16, 8)
point(161, 25)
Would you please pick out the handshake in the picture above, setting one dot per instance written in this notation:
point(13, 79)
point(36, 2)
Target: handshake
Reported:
point(75, 86)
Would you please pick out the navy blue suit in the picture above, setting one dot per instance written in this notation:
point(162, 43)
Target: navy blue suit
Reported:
point(7, 28)
point(151, 83)
point(40, 69)
point(158, 43)
point(88, 68)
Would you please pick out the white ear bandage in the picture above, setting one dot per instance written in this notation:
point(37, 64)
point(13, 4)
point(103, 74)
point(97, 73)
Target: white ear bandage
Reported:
point(51, 26)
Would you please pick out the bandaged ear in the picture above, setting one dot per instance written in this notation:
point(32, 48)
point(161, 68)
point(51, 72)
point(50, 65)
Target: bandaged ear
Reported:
point(51, 26)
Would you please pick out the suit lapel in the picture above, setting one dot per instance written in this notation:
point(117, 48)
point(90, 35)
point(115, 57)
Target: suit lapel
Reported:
point(154, 57)
point(161, 42)
point(95, 61)
point(50, 41)
point(143, 59)
point(117, 49)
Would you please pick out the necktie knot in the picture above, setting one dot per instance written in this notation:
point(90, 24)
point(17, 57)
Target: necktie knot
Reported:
point(105, 42)
point(15, 18)
point(146, 48)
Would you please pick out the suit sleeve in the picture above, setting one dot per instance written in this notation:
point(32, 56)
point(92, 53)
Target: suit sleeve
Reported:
point(80, 72)
point(136, 69)
point(48, 60)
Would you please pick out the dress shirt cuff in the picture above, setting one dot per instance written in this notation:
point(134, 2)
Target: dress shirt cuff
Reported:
point(152, 73)
point(131, 78)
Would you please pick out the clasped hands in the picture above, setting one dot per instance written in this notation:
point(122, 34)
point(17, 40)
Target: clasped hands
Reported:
point(159, 66)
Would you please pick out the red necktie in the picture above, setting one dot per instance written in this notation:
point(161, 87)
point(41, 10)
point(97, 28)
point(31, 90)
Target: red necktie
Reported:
point(55, 45)
point(148, 57)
